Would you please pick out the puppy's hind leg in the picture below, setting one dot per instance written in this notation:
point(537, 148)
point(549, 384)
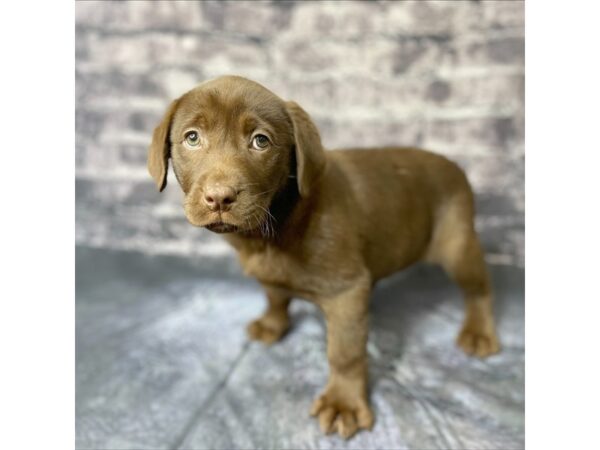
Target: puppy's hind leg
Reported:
point(478, 333)
point(275, 322)
point(458, 250)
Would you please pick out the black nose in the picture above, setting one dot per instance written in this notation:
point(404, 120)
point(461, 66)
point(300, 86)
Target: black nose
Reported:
point(219, 198)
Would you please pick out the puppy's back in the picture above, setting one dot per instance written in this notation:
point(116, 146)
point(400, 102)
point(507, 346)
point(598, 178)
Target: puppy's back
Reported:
point(398, 194)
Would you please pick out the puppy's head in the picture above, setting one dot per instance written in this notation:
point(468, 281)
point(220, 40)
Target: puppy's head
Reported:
point(234, 146)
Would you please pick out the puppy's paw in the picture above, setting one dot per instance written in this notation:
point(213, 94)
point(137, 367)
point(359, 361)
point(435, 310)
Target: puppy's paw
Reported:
point(478, 342)
point(343, 417)
point(267, 329)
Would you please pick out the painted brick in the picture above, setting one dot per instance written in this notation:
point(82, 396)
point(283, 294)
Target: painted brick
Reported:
point(140, 16)
point(448, 76)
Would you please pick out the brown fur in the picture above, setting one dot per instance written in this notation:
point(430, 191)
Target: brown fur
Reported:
point(323, 226)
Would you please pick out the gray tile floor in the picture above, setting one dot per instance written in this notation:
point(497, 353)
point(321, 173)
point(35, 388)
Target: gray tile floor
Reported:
point(163, 362)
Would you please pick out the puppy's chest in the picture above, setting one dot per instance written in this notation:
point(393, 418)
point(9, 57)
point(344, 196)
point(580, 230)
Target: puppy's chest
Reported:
point(277, 268)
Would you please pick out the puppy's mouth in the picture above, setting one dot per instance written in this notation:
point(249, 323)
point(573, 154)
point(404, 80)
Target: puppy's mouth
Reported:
point(221, 227)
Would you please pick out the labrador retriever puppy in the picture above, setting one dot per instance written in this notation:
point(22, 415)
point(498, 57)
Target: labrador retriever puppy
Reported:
point(320, 225)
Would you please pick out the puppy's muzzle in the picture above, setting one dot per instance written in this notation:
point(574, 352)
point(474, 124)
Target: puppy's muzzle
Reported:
point(219, 197)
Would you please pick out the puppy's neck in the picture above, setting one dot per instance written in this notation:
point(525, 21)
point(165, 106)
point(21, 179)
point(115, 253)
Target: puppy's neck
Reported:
point(284, 204)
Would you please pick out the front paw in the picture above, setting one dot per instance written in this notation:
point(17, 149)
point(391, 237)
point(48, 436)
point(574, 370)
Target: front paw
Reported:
point(267, 329)
point(345, 414)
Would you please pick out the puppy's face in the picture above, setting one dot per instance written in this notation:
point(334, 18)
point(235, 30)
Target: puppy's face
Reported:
point(232, 144)
point(231, 147)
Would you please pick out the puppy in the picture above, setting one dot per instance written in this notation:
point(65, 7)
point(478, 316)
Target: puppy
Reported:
point(320, 225)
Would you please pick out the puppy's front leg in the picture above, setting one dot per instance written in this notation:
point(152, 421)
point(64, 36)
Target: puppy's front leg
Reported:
point(343, 406)
point(273, 324)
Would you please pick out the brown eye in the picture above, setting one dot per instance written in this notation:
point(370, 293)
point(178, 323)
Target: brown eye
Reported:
point(260, 142)
point(192, 138)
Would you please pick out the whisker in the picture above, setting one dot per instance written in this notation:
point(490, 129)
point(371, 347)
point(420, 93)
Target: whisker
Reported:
point(263, 192)
point(268, 213)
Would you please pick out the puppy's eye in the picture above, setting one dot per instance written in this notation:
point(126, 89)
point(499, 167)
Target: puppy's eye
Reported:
point(192, 139)
point(260, 142)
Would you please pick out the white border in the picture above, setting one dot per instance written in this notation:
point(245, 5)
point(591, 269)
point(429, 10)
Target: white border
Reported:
point(562, 225)
point(37, 225)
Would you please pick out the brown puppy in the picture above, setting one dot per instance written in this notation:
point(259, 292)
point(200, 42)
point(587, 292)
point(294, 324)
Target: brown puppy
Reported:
point(323, 226)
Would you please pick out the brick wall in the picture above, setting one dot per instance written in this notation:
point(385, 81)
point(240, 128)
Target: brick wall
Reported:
point(448, 76)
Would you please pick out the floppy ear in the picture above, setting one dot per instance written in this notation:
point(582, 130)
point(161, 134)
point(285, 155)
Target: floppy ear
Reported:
point(160, 148)
point(310, 156)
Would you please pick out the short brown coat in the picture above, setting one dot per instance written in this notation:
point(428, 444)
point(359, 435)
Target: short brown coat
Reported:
point(322, 225)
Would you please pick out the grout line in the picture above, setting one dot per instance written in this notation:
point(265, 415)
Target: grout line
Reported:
point(192, 423)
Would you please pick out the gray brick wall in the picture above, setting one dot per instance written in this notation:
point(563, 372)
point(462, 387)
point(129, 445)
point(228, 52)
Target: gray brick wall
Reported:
point(448, 76)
